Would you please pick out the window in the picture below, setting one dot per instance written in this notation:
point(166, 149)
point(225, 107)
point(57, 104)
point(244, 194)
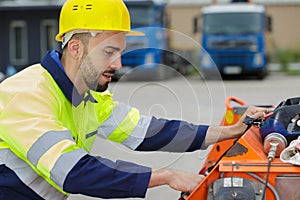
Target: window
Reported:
point(48, 32)
point(141, 15)
point(236, 23)
point(18, 43)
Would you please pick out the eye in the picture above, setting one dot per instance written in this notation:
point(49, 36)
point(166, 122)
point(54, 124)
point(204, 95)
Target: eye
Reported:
point(109, 53)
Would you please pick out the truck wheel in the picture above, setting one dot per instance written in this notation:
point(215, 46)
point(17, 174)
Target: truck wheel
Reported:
point(262, 74)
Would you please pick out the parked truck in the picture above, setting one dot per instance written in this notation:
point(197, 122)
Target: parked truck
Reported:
point(234, 40)
point(150, 57)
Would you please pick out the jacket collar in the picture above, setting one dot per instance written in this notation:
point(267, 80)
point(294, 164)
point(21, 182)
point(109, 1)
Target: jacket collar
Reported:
point(51, 62)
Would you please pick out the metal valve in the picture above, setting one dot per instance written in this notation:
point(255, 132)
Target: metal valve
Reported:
point(274, 144)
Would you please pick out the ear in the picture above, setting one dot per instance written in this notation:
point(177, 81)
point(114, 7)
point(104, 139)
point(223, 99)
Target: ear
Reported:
point(75, 47)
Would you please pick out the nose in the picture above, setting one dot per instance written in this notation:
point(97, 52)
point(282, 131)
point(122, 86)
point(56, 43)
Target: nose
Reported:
point(117, 63)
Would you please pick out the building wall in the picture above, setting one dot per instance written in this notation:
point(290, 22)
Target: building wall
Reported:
point(33, 18)
point(286, 29)
point(181, 20)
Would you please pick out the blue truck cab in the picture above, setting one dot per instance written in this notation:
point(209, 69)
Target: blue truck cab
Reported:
point(147, 57)
point(234, 40)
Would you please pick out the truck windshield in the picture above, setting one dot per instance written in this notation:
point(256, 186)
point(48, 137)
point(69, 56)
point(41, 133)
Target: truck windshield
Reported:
point(141, 15)
point(232, 23)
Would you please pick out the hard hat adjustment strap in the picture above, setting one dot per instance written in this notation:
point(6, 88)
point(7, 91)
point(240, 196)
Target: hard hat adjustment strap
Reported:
point(67, 36)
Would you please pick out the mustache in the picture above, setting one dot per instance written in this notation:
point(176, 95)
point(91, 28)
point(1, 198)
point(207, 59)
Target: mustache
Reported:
point(112, 71)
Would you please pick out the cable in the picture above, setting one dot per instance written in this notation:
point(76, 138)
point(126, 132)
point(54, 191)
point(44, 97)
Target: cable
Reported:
point(267, 179)
point(262, 181)
point(271, 156)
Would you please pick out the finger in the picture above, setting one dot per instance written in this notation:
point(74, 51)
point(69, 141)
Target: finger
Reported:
point(196, 182)
point(258, 115)
point(264, 110)
point(252, 111)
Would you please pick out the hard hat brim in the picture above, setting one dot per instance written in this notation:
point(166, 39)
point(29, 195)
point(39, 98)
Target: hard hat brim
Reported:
point(129, 33)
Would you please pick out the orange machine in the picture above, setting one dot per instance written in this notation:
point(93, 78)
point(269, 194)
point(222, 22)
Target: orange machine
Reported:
point(243, 169)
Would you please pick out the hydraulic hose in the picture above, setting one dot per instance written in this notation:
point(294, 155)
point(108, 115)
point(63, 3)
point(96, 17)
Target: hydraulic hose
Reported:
point(268, 184)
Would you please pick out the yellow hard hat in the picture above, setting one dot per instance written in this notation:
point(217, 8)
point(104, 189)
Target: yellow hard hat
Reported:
point(94, 15)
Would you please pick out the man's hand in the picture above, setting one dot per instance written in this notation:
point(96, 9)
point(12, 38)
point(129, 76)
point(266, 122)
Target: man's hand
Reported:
point(219, 133)
point(178, 180)
point(252, 112)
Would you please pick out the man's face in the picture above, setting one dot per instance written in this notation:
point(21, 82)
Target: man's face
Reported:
point(101, 58)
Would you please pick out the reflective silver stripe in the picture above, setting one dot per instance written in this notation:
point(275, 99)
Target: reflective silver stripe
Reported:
point(91, 134)
point(3, 155)
point(112, 122)
point(44, 143)
point(29, 177)
point(1, 159)
point(138, 134)
point(64, 164)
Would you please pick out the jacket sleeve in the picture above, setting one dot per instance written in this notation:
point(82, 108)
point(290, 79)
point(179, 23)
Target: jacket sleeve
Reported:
point(100, 177)
point(127, 126)
point(173, 136)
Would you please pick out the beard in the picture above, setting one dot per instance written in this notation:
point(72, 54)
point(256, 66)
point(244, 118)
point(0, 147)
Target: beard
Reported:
point(91, 76)
point(102, 87)
point(89, 73)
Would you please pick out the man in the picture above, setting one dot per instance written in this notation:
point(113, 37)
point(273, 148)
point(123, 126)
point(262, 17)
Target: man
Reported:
point(50, 114)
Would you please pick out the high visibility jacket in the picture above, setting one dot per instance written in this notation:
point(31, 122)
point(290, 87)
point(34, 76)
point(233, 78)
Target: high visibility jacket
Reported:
point(47, 130)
